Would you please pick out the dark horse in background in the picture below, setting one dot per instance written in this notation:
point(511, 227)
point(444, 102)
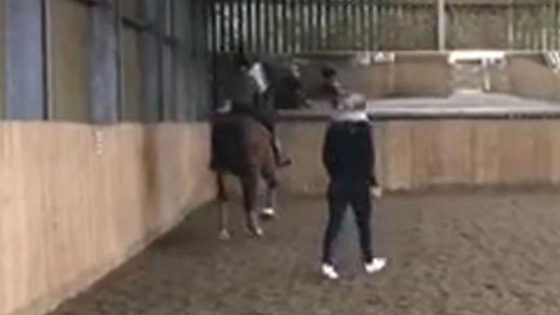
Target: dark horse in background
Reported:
point(243, 146)
point(284, 78)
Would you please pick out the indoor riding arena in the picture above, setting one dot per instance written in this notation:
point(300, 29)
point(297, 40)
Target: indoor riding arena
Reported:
point(109, 206)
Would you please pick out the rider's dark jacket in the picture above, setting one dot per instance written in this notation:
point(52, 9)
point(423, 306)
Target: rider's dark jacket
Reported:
point(243, 91)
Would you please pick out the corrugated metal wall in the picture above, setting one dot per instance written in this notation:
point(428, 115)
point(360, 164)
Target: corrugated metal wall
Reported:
point(69, 43)
point(132, 69)
point(504, 24)
point(24, 59)
point(299, 26)
point(104, 61)
point(295, 26)
point(2, 60)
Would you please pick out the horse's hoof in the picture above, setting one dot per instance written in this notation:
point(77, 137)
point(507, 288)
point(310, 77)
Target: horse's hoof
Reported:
point(224, 235)
point(268, 213)
point(256, 232)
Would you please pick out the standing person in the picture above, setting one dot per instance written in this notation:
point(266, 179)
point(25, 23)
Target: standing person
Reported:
point(335, 94)
point(330, 88)
point(348, 156)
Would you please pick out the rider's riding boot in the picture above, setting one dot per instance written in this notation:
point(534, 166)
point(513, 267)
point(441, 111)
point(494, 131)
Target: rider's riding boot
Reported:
point(281, 159)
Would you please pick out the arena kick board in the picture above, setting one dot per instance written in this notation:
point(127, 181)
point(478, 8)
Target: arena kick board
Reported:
point(462, 104)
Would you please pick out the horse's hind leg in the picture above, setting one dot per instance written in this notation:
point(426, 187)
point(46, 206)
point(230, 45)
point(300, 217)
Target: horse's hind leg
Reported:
point(250, 185)
point(222, 198)
point(271, 180)
point(269, 210)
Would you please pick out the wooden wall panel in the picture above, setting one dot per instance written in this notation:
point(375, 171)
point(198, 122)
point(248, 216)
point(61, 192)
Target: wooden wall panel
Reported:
point(303, 142)
point(456, 142)
point(516, 152)
point(70, 44)
point(423, 154)
point(479, 152)
point(427, 164)
point(553, 127)
point(399, 141)
point(78, 200)
point(485, 158)
point(542, 151)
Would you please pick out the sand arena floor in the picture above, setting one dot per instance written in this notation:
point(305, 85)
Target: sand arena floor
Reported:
point(456, 253)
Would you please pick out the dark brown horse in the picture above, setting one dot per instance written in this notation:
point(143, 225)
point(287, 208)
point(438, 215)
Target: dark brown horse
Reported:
point(241, 146)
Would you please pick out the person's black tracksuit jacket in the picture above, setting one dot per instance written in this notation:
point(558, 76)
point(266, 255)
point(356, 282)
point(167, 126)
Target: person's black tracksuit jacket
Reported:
point(348, 152)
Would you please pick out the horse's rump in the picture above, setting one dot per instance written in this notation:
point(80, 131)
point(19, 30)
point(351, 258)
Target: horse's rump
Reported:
point(240, 144)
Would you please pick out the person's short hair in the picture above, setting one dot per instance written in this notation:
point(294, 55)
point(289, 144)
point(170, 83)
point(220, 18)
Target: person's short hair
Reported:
point(328, 71)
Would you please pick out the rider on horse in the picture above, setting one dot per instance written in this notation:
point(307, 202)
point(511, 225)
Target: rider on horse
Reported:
point(250, 95)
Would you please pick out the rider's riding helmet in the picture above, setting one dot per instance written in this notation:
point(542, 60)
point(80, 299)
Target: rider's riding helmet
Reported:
point(327, 71)
point(241, 60)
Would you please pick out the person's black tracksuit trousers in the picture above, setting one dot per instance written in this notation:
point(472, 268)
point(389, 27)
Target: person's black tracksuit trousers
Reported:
point(340, 195)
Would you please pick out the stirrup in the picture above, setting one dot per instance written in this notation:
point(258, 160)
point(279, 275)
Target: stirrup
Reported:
point(283, 162)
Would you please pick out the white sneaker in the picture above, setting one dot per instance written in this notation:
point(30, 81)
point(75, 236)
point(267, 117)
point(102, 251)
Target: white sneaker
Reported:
point(329, 271)
point(375, 265)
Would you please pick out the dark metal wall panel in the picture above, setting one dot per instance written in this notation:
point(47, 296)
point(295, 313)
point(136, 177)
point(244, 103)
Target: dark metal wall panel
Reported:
point(175, 59)
point(151, 65)
point(105, 61)
point(168, 62)
point(69, 49)
point(104, 78)
point(131, 8)
point(132, 100)
point(131, 66)
point(25, 89)
point(2, 60)
point(190, 85)
point(183, 89)
point(201, 60)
